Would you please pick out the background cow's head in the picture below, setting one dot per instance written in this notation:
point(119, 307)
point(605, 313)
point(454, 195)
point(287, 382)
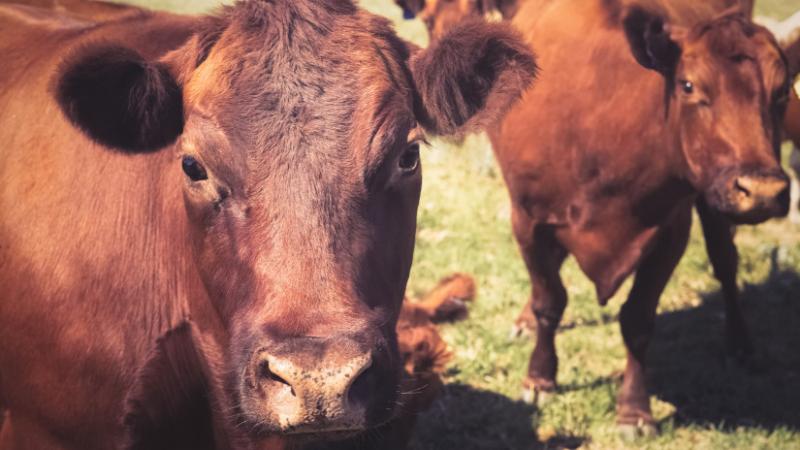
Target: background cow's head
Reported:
point(440, 16)
point(298, 127)
point(726, 87)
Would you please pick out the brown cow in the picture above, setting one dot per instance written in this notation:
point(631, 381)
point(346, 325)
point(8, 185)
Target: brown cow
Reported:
point(788, 36)
point(207, 222)
point(640, 113)
point(440, 16)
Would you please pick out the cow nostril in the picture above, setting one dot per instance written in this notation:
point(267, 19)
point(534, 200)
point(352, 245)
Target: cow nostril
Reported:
point(363, 386)
point(742, 186)
point(265, 373)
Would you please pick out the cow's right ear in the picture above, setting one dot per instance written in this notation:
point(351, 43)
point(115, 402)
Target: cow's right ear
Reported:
point(469, 77)
point(119, 99)
point(650, 41)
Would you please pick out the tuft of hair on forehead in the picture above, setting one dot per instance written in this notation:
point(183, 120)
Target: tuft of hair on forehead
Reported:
point(259, 14)
point(726, 35)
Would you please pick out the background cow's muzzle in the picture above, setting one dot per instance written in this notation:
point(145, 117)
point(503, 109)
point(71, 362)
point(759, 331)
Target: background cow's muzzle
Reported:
point(314, 386)
point(751, 196)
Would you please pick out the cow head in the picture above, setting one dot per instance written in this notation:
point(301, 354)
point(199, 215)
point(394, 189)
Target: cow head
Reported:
point(726, 87)
point(298, 127)
point(441, 16)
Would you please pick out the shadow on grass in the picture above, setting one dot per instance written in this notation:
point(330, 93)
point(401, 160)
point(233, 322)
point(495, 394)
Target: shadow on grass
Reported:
point(689, 368)
point(465, 418)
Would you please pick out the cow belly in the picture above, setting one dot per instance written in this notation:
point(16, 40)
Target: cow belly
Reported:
point(606, 256)
point(612, 249)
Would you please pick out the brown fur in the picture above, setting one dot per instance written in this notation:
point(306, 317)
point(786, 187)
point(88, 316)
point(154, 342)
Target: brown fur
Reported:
point(791, 123)
point(286, 243)
point(440, 16)
point(607, 154)
point(447, 301)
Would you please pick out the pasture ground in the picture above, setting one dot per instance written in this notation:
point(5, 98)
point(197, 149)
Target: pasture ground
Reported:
point(700, 400)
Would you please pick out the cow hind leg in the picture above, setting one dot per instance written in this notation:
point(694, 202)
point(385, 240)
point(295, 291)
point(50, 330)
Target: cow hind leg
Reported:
point(718, 234)
point(525, 325)
point(543, 257)
point(637, 321)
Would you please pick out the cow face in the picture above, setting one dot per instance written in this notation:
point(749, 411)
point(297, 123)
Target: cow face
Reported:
point(726, 91)
point(441, 16)
point(298, 128)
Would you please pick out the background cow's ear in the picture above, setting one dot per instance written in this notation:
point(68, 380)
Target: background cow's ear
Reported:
point(410, 7)
point(650, 41)
point(119, 99)
point(470, 77)
point(494, 10)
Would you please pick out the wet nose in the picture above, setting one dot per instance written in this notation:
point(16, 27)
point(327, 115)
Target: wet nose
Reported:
point(313, 385)
point(759, 197)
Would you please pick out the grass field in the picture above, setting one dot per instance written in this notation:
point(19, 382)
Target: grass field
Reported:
point(701, 401)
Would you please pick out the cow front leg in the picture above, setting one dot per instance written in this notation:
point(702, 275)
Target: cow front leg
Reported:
point(543, 257)
point(637, 320)
point(718, 234)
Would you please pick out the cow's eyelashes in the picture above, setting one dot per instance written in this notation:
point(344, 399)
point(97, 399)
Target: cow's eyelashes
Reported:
point(409, 160)
point(193, 169)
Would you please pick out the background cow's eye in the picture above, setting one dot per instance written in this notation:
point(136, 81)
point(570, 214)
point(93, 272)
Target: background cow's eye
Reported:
point(687, 86)
point(193, 169)
point(410, 159)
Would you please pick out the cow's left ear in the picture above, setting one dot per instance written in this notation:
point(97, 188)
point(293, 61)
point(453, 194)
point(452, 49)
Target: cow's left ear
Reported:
point(470, 77)
point(654, 44)
point(169, 405)
point(119, 99)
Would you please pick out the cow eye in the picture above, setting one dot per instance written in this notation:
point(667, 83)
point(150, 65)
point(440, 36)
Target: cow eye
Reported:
point(193, 169)
point(687, 86)
point(409, 161)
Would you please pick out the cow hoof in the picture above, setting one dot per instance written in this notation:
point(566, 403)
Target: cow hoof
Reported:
point(537, 397)
point(522, 330)
point(634, 431)
point(518, 332)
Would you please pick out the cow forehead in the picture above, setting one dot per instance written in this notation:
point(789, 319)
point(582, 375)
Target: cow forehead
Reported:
point(305, 85)
point(724, 41)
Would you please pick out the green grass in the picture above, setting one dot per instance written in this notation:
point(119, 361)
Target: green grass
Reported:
point(700, 401)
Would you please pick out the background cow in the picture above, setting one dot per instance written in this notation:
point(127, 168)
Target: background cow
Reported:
point(641, 112)
point(787, 32)
point(440, 16)
point(207, 222)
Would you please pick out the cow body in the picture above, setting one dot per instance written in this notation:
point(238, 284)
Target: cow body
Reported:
point(84, 197)
point(606, 156)
point(198, 224)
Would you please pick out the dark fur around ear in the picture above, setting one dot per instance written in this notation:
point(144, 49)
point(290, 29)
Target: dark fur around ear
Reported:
point(119, 99)
point(168, 407)
point(650, 41)
point(470, 77)
point(410, 7)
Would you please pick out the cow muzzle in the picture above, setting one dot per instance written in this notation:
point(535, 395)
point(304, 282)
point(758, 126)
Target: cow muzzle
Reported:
point(752, 197)
point(317, 386)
